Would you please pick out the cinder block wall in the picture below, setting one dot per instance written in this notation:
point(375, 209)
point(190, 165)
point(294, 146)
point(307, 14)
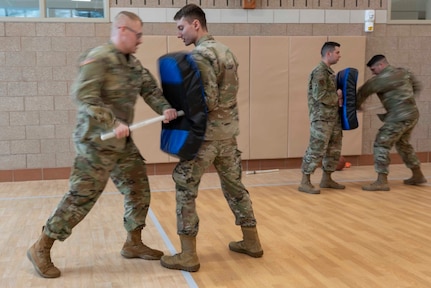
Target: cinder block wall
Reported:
point(38, 64)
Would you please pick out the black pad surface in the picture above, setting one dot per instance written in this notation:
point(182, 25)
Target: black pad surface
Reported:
point(182, 86)
point(346, 81)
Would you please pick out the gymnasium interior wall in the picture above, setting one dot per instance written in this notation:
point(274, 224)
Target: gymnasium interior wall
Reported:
point(277, 44)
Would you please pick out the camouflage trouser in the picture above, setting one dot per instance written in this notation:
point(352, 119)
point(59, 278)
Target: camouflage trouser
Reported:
point(89, 176)
point(187, 175)
point(398, 134)
point(325, 143)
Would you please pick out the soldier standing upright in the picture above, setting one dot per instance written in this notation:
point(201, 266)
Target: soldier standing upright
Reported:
point(326, 132)
point(106, 89)
point(396, 89)
point(218, 67)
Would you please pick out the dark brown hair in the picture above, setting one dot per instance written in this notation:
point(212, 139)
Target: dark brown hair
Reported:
point(191, 12)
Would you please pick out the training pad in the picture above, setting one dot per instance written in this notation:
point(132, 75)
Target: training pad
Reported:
point(182, 87)
point(346, 81)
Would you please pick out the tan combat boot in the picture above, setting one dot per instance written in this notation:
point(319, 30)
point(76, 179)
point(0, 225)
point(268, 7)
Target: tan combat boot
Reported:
point(381, 184)
point(306, 185)
point(250, 244)
point(39, 255)
point(327, 182)
point(134, 248)
point(417, 177)
point(187, 260)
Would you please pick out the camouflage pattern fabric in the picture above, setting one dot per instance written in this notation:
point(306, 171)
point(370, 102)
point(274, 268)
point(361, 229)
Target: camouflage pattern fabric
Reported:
point(325, 128)
point(106, 90)
point(396, 89)
point(226, 158)
point(219, 73)
point(398, 134)
point(218, 67)
point(322, 94)
point(90, 173)
point(324, 146)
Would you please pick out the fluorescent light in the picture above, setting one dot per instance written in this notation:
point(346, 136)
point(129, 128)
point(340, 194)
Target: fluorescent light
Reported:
point(81, 0)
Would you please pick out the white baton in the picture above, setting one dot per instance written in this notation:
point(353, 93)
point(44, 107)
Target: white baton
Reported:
point(135, 126)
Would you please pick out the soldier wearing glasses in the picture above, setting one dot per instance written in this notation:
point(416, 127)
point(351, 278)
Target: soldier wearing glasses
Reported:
point(109, 81)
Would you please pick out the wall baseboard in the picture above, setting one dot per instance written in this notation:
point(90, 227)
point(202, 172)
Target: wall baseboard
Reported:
point(166, 168)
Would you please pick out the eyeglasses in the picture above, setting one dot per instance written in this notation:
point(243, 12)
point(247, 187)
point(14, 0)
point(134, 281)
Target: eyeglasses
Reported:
point(138, 34)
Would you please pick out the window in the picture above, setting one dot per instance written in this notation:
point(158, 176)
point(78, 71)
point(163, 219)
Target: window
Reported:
point(410, 11)
point(49, 9)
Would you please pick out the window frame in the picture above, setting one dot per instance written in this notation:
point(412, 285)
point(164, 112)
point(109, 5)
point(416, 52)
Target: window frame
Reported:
point(403, 21)
point(44, 18)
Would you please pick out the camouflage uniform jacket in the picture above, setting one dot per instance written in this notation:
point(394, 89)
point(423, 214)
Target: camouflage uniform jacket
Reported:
point(106, 90)
point(322, 94)
point(396, 89)
point(218, 67)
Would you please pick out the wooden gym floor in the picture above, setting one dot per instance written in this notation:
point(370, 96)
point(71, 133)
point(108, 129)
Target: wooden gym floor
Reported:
point(340, 238)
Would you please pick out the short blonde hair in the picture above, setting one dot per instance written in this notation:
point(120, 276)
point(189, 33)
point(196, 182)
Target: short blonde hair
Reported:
point(123, 17)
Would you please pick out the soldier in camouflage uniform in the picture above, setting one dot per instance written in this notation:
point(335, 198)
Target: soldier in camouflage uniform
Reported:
point(218, 67)
point(109, 82)
point(396, 89)
point(325, 132)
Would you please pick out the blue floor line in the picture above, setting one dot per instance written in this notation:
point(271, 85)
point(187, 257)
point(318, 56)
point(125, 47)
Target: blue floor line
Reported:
point(189, 279)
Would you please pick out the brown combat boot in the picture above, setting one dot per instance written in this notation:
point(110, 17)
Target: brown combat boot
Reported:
point(250, 244)
point(134, 248)
point(327, 182)
point(417, 177)
point(381, 184)
point(39, 255)
point(187, 260)
point(306, 185)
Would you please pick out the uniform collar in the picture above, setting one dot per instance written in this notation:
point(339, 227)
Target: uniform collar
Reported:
point(121, 57)
point(323, 64)
point(204, 38)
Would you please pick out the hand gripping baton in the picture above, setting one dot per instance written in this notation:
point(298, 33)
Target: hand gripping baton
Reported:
point(135, 126)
